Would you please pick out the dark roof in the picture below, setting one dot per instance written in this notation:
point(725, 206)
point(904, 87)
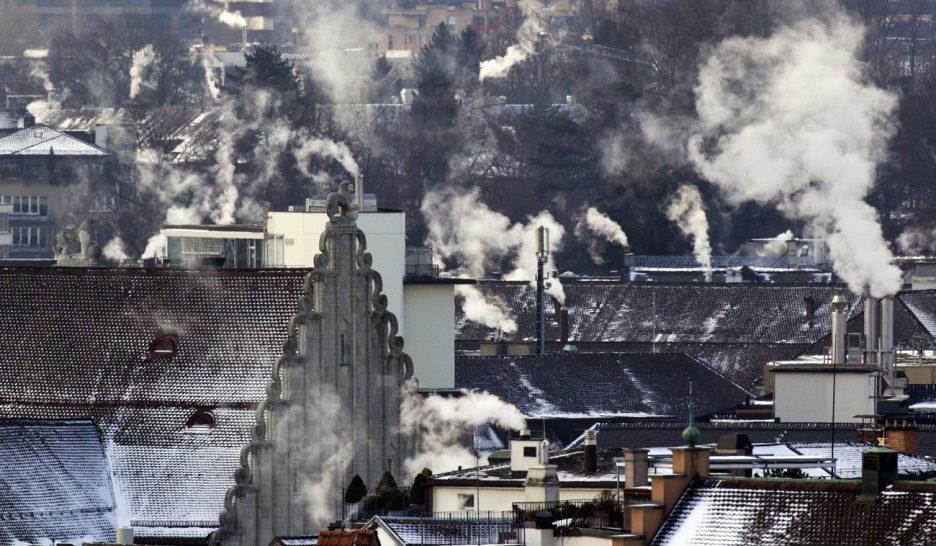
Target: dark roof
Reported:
point(718, 262)
point(922, 305)
point(54, 483)
point(739, 512)
point(75, 344)
point(667, 433)
point(599, 384)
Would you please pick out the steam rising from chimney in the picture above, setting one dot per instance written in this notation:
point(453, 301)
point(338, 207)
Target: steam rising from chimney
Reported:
point(777, 245)
point(464, 229)
point(115, 250)
point(789, 120)
point(687, 210)
point(534, 24)
point(142, 60)
point(443, 422)
point(232, 19)
point(599, 224)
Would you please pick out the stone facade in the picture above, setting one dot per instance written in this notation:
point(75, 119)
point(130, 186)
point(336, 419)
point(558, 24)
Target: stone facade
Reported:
point(333, 404)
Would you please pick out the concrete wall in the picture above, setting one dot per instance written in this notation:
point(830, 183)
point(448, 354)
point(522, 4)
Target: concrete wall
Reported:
point(430, 320)
point(807, 396)
point(386, 241)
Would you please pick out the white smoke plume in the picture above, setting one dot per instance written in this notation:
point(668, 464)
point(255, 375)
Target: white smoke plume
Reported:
point(594, 222)
point(533, 26)
point(334, 449)
point(40, 70)
point(115, 250)
point(687, 211)
point(777, 245)
point(142, 61)
point(442, 424)
point(202, 56)
point(480, 310)
point(232, 19)
point(322, 147)
point(789, 120)
point(917, 241)
point(463, 228)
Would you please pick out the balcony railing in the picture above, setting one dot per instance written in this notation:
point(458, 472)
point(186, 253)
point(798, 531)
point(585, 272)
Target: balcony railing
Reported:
point(602, 513)
point(422, 270)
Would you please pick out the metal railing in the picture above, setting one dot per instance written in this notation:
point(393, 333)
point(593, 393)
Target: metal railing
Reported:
point(591, 513)
point(422, 270)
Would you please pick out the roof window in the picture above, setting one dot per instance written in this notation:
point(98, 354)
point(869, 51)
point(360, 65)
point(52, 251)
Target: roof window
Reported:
point(164, 346)
point(201, 420)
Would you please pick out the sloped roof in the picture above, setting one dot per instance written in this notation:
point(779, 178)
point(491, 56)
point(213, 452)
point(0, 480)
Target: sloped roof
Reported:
point(667, 433)
point(41, 140)
point(351, 537)
point(778, 512)
point(601, 384)
point(75, 343)
point(54, 483)
point(922, 305)
point(617, 311)
point(444, 531)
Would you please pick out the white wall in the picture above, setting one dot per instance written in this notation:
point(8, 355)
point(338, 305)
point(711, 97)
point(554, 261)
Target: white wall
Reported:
point(807, 396)
point(386, 241)
point(430, 319)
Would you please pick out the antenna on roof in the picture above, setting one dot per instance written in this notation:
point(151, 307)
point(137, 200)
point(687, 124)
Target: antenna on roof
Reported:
point(690, 434)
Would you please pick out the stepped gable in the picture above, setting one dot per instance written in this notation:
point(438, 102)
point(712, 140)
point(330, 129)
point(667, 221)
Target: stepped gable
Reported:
point(333, 399)
point(54, 482)
point(599, 384)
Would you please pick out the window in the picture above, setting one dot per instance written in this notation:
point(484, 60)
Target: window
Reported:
point(529, 451)
point(201, 419)
point(164, 346)
point(30, 204)
point(197, 246)
point(34, 237)
point(466, 501)
point(10, 168)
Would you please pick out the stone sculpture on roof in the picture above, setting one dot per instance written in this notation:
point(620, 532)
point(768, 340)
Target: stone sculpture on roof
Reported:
point(333, 401)
point(76, 246)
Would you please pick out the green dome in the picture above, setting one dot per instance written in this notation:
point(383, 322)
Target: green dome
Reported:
point(690, 435)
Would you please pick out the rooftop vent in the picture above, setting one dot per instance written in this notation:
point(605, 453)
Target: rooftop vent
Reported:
point(202, 419)
point(164, 346)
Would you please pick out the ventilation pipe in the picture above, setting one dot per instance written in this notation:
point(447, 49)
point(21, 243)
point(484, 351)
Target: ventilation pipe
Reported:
point(125, 535)
point(887, 336)
point(591, 451)
point(838, 330)
point(359, 191)
point(871, 321)
point(542, 256)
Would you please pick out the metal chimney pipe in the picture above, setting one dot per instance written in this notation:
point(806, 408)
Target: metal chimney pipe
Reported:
point(542, 256)
point(871, 320)
point(125, 535)
point(887, 336)
point(591, 451)
point(359, 191)
point(838, 330)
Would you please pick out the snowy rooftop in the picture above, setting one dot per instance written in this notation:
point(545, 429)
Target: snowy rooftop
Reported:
point(445, 531)
point(42, 140)
point(76, 345)
point(735, 328)
point(54, 483)
point(600, 384)
point(727, 512)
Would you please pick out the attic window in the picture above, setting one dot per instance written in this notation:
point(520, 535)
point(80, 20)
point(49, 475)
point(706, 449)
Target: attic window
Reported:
point(202, 420)
point(163, 346)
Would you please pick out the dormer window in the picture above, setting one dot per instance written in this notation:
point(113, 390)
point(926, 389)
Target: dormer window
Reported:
point(164, 346)
point(201, 420)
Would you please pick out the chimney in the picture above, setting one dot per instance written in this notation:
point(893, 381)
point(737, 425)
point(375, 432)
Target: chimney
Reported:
point(591, 451)
point(359, 191)
point(636, 468)
point(887, 336)
point(125, 535)
point(902, 437)
point(838, 330)
point(525, 452)
point(28, 121)
point(878, 470)
point(100, 136)
point(871, 330)
point(541, 484)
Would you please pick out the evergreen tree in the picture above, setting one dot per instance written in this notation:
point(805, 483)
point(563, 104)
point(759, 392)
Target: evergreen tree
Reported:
point(418, 490)
point(356, 490)
point(468, 58)
point(387, 484)
point(267, 68)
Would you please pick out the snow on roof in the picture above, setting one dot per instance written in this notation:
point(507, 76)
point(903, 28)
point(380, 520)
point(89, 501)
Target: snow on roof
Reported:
point(76, 344)
point(599, 384)
point(54, 483)
point(43, 140)
point(715, 512)
point(445, 531)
